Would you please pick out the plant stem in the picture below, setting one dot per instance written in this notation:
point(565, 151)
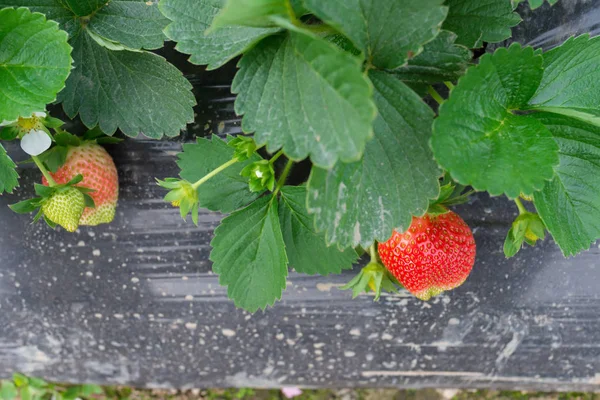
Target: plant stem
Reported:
point(373, 252)
point(214, 172)
point(449, 85)
point(522, 209)
point(436, 96)
point(283, 177)
point(276, 156)
point(45, 172)
point(321, 28)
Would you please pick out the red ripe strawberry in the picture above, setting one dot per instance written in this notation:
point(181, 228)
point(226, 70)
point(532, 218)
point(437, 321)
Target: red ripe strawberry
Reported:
point(99, 173)
point(435, 254)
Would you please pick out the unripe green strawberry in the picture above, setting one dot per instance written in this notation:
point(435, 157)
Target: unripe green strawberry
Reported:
point(435, 254)
point(65, 208)
point(99, 173)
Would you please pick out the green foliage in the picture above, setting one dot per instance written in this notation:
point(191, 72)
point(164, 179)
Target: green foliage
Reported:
point(27, 388)
point(327, 112)
point(133, 91)
point(503, 152)
point(9, 179)
point(115, 83)
point(306, 249)
point(227, 191)
point(569, 204)
point(357, 203)
point(249, 255)
point(533, 4)
point(571, 81)
point(340, 83)
point(527, 228)
point(387, 32)
point(255, 13)
point(192, 18)
point(441, 60)
point(478, 21)
point(34, 63)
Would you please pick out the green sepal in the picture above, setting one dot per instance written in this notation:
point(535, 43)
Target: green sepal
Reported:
point(373, 277)
point(55, 158)
point(9, 133)
point(96, 135)
point(37, 216)
point(89, 201)
point(76, 179)
point(50, 223)
point(182, 194)
point(52, 123)
point(43, 191)
point(244, 147)
point(261, 175)
point(26, 206)
point(527, 227)
point(66, 139)
point(451, 194)
point(436, 209)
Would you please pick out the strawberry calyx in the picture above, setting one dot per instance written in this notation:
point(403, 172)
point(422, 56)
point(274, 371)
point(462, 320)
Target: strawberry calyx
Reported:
point(49, 194)
point(451, 194)
point(244, 147)
point(373, 277)
point(182, 194)
point(527, 228)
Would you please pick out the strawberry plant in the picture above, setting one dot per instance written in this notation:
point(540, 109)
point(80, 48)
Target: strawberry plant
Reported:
point(396, 105)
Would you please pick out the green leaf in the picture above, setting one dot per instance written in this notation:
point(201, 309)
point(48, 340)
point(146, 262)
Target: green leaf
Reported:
point(478, 21)
point(307, 96)
point(137, 24)
point(478, 138)
point(43, 191)
point(66, 139)
point(37, 383)
point(257, 13)
point(25, 393)
point(8, 391)
point(227, 191)
point(306, 249)
point(53, 10)
point(89, 390)
point(571, 81)
point(569, 205)
point(441, 60)
point(20, 379)
point(137, 92)
point(512, 245)
point(9, 179)
point(55, 158)
point(249, 255)
point(192, 18)
point(360, 202)
point(9, 133)
point(533, 4)
point(34, 62)
point(299, 7)
point(387, 31)
point(25, 206)
point(83, 8)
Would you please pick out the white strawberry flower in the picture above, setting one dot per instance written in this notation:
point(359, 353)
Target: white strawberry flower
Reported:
point(36, 142)
point(34, 138)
